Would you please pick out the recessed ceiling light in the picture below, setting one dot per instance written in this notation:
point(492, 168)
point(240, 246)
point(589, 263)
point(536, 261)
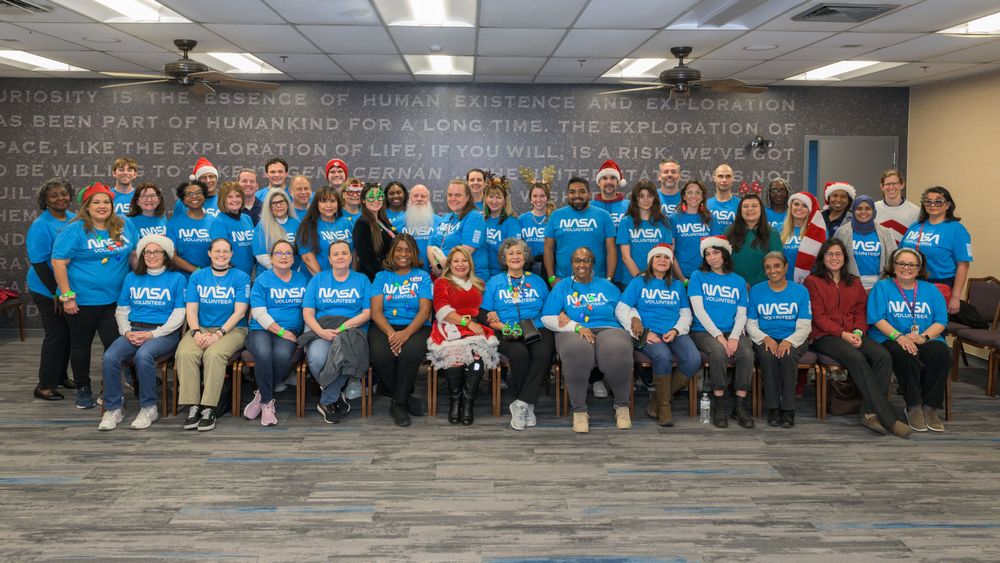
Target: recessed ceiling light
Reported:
point(759, 47)
point(27, 61)
point(244, 63)
point(845, 70)
point(124, 11)
point(440, 64)
point(103, 39)
point(633, 68)
point(427, 13)
point(989, 25)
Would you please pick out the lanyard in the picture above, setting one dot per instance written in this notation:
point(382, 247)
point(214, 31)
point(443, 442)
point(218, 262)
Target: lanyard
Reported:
point(515, 293)
point(912, 307)
point(919, 236)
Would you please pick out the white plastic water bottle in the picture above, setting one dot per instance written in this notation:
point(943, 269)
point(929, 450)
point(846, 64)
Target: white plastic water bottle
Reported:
point(705, 405)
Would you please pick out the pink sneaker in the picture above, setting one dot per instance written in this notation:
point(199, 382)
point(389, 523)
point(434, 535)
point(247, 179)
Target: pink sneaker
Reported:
point(253, 409)
point(267, 417)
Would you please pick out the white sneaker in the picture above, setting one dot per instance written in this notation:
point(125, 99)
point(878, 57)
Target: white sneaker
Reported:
point(146, 416)
point(600, 391)
point(518, 410)
point(353, 389)
point(111, 419)
point(529, 417)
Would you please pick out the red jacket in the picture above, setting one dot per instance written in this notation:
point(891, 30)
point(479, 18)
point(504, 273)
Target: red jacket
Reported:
point(836, 308)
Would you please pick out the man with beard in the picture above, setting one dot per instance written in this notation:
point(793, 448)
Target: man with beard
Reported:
point(576, 226)
point(723, 206)
point(248, 179)
point(777, 202)
point(276, 171)
point(609, 179)
point(420, 220)
point(203, 172)
point(670, 189)
point(124, 171)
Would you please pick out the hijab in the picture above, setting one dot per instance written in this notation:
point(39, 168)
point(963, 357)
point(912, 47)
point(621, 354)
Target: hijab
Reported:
point(867, 227)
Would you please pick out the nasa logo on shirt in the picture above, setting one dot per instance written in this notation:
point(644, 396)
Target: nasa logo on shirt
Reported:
point(533, 233)
point(331, 294)
point(719, 292)
point(724, 216)
point(778, 310)
point(158, 230)
point(660, 295)
point(643, 234)
point(592, 299)
point(578, 224)
point(928, 238)
point(921, 310)
point(105, 246)
point(199, 234)
point(208, 293)
point(287, 294)
point(691, 228)
point(493, 237)
point(866, 246)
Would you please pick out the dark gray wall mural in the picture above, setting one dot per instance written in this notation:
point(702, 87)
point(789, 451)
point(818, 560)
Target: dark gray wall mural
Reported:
point(415, 133)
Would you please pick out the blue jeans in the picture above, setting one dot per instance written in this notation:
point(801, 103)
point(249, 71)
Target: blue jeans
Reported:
point(272, 359)
point(145, 367)
point(316, 353)
point(662, 354)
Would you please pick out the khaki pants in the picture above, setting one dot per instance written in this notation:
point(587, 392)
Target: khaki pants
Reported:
point(190, 358)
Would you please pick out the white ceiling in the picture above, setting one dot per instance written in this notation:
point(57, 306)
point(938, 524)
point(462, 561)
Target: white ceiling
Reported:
point(540, 41)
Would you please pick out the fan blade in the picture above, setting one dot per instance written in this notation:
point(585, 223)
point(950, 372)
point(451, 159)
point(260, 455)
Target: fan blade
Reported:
point(629, 90)
point(674, 94)
point(212, 76)
point(249, 84)
point(640, 83)
point(132, 75)
point(200, 89)
point(744, 89)
point(135, 83)
point(722, 82)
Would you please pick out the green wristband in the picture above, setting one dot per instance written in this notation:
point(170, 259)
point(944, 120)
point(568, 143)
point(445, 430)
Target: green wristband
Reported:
point(895, 334)
point(577, 329)
point(342, 327)
point(281, 333)
point(552, 279)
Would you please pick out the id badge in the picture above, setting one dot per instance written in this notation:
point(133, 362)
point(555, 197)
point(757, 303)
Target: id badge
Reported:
point(914, 329)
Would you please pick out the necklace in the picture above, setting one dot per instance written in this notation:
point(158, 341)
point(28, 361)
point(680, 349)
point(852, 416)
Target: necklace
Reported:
point(545, 219)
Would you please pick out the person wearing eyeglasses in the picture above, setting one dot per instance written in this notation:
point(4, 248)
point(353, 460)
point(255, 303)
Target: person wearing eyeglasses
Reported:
point(373, 232)
point(869, 245)
point(208, 176)
point(351, 192)
point(944, 241)
point(776, 197)
point(146, 210)
point(894, 212)
point(234, 225)
point(189, 229)
point(909, 317)
point(150, 313)
point(278, 221)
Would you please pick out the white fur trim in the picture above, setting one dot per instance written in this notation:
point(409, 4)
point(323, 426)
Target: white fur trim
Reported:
point(463, 351)
point(656, 250)
point(443, 312)
point(839, 186)
point(709, 242)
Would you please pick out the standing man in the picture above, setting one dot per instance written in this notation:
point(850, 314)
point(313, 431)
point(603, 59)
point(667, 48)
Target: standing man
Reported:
point(609, 179)
point(670, 189)
point(723, 206)
point(124, 171)
point(420, 221)
point(894, 212)
point(477, 184)
point(579, 225)
point(336, 173)
point(777, 202)
point(276, 171)
point(206, 173)
point(248, 179)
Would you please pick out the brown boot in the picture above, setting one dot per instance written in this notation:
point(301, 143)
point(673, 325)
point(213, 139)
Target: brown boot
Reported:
point(663, 394)
point(651, 410)
point(677, 382)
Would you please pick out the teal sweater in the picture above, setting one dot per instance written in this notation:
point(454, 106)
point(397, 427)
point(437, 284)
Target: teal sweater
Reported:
point(750, 261)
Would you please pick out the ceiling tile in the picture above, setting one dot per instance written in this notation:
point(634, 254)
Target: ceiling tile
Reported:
point(640, 14)
point(915, 71)
point(561, 80)
point(484, 78)
point(163, 35)
point(832, 48)
point(224, 11)
point(340, 12)
point(922, 48)
point(349, 40)
point(787, 41)
point(521, 14)
point(265, 38)
point(28, 40)
point(383, 78)
point(721, 69)
point(76, 32)
point(509, 65)
point(417, 40)
point(58, 15)
point(371, 64)
point(591, 68)
point(968, 71)
point(701, 42)
point(930, 16)
point(298, 64)
point(601, 42)
point(319, 77)
point(777, 70)
point(518, 42)
point(983, 52)
point(435, 78)
point(784, 21)
point(14, 72)
point(93, 60)
point(152, 61)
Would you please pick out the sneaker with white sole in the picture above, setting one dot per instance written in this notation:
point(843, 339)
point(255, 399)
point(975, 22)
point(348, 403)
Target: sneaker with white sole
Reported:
point(600, 390)
point(581, 422)
point(267, 417)
point(252, 410)
point(194, 416)
point(529, 417)
point(146, 417)
point(280, 387)
point(622, 418)
point(518, 410)
point(111, 419)
point(207, 421)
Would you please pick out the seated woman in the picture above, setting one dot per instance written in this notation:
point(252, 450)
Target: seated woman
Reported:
point(581, 312)
point(509, 298)
point(908, 315)
point(373, 232)
point(839, 310)
point(278, 221)
point(751, 237)
point(643, 227)
point(336, 313)
point(778, 323)
point(150, 313)
point(235, 225)
point(719, 302)
point(869, 245)
point(217, 300)
point(501, 223)
point(189, 228)
point(276, 307)
point(459, 346)
point(656, 300)
point(400, 308)
point(146, 210)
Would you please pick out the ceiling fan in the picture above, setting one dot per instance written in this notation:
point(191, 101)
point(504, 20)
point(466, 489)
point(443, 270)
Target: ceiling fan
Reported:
point(682, 80)
point(192, 74)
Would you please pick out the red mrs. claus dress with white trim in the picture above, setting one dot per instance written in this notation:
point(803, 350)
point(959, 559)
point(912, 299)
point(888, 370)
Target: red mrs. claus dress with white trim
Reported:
point(452, 345)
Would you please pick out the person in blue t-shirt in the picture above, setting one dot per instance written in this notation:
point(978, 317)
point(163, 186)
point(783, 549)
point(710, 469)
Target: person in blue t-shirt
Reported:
point(232, 224)
point(336, 311)
point(510, 297)
point(464, 225)
point(278, 221)
point(657, 301)
point(690, 223)
point(124, 170)
point(869, 245)
point(54, 198)
point(320, 226)
point(778, 322)
point(719, 303)
point(724, 206)
point(217, 299)
point(207, 175)
point(90, 260)
point(401, 306)
point(577, 226)
point(643, 227)
point(189, 229)
point(533, 223)
point(608, 198)
point(944, 241)
point(146, 210)
point(501, 224)
point(276, 307)
point(150, 313)
point(669, 192)
point(420, 221)
point(395, 201)
point(351, 195)
point(776, 198)
point(909, 317)
point(476, 179)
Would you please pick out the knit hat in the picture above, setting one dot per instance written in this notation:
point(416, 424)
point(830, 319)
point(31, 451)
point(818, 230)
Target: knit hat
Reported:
point(202, 167)
point(335, 162)
point(834, 186)
point(662, 248)
point(813, 235)
point(166, 244)
point(609, 168)
point(95, 188)
point(715, 241)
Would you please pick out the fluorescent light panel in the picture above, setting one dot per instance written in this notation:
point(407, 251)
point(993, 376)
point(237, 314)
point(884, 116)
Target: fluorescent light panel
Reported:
point(989, 25)
point(633, 68)
point(244, 63)
point(845, 70)
point(35, 63)
point(428, 13)
point(440, 65)
point(124, 11)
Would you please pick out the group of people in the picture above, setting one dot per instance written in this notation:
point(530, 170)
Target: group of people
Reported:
point(352, 276)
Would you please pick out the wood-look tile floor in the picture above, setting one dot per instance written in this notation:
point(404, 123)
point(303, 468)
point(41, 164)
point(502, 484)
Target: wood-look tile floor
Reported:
point(364, 490)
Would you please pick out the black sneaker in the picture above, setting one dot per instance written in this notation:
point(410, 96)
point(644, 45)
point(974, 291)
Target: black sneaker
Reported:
point(415, 406)
point(741, 414)
point(334, 412)
point(787, 419)
point(207, 419)
point(774, 417)
point(399, 415)
point(719, 415)
point(194, 415)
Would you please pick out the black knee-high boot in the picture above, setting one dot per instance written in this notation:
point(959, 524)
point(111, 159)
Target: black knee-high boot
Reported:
point(454, 378)
point(473, 377)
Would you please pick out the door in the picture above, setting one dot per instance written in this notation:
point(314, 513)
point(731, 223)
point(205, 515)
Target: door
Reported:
point(859, 161)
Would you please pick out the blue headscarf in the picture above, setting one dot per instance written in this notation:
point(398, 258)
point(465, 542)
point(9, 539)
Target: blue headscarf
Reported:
point(867, 227)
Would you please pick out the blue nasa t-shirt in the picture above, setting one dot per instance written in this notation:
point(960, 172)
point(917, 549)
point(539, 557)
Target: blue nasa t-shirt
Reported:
point(470, 231)
point(283, 300)
point(331, 297)
point(327, 232)
point(147, 225)
point(423, 236)
point(397, 218)
point(886, 303)
point(777, 311)
point(123, 202)
point(791, 250)
point(669, 203)
point(496, 233)
point(724, 212)
point(506, 296)
point(39, 241)
point(217, 296)
point(658, 304)
point(945, 245)
point(98, 265)
point(240, 233)
point(401, 295)
point(688, 230)
point(721, 296)
point(211, 206)
point(259, 244)
point(191, 238)
point(590, 304)
point(533, 232)
point(152, 298)
point(617, 209)
point(573, 229)
point(776, 220)
point(640, 241)
point(867, 250)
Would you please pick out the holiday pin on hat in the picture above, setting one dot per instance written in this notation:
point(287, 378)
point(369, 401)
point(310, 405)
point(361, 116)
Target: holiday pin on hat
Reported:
point(609, 168)
point(202, 167)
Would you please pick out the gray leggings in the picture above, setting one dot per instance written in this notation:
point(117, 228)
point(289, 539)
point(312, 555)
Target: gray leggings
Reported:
point(612, 353)
point(717, 360)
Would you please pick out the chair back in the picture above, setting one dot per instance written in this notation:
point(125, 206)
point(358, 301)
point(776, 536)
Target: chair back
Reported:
point(984, 295)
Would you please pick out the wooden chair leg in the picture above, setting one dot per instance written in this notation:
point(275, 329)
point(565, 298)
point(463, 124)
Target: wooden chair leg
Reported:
point(991, 376)
point(166, 385)
point(965, 358)
point(300, 391)
point(432, 384)
point(20, 321)
point(237, 387)
point(176, 386)
point(757, 408)
point(367, 394)
point(693, 397)
point(947, 400)
point(557, 382)
point(495, 382)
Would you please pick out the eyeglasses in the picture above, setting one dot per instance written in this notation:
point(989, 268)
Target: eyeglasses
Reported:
point(779, 190)
point(934, 202)
point(194, 194)
point(375, 195)
point(834, 254)
point(891, 184)
point(152, 253)
point(907, 265)
point(278, 202)
point(580, 260)
point(151, 196)
point(280, 254)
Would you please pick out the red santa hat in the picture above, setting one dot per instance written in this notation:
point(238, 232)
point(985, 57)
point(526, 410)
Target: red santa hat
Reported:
point(202, 167)
point(812, 235)
point(715, 241)
point(834, 186)
point(338, 163)
point(662, 248)
point(95, 188)
point(609, 168)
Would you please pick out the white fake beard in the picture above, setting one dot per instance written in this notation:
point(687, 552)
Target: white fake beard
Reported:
point(419, 217)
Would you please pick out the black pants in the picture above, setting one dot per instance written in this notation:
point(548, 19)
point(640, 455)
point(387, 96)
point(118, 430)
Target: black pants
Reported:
point(397, 373)
point(55, 346)
point(529, 364)
point(921, 389)
point(871, 369)
point(780, 375)
point(92, 319)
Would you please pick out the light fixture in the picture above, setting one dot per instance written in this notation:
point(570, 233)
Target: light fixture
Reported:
point(443, 65)
point(102, 39)
point(428, 13)
point(135, 10)
point(124, 11)
point(632, 68)
point(760, 47)
point(989, 25)
point(844, 70)
point(758, 142)
point(27, 61)
point(243, 63)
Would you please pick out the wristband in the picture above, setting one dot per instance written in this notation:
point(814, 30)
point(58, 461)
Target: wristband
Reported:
point(858, 332)
point(577, 329)
point(552, 279)
point(281, 333)
point(465, 320)
point(194, 330)
point(342, 327)
point(895, 334)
